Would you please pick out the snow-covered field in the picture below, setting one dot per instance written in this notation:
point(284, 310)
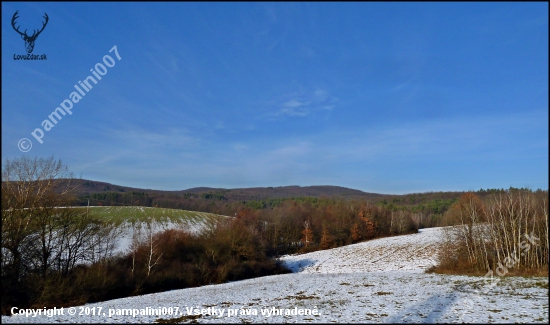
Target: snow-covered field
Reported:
point(128, 230)
point(136, 220)
point(380, 281)
point(413, 253)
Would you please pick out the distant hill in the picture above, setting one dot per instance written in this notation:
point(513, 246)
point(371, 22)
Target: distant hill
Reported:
point(88, 187)
point(428, 206)
point(230, 201)
point(261, 193)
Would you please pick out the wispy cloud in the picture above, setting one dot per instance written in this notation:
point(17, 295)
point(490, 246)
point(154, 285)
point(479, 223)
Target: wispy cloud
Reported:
point(294, 108)
point(302, 104)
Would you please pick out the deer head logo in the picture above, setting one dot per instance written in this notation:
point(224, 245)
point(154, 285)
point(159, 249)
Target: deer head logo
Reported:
point(29, 40)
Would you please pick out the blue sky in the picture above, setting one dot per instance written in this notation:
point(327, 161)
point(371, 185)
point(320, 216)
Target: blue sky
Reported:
point(382, 97)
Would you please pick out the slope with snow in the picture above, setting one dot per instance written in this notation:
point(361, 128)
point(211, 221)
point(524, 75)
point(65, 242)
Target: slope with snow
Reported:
point(137, 220)
point(413, 253)
point(379, 281)
point(128, 230)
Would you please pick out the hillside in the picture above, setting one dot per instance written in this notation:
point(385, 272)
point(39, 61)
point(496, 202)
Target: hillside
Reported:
point(87, 187)
point(130, 220)
point(414, 253)
point(229, 201)
point(379, 281)
point(261, 193)
point(427, 209)
point(118, 214)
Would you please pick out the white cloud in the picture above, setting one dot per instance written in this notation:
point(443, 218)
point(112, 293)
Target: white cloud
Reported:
point(294, 103)
point(306, 103)
point(293, 112)
point(320, 95)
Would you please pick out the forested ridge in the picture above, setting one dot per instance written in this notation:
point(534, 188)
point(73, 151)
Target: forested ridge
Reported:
point(428, 207)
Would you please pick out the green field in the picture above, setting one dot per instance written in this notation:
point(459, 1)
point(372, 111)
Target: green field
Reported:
point(132, 214)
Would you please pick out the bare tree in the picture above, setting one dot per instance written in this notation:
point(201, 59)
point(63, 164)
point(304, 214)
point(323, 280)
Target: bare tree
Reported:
point(153, 254)
point(41, 234)
point(30, 191)
point(307, 234)
point(134, 246)
point(509, 231)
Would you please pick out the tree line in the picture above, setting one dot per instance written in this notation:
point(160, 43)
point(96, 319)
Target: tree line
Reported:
point(427, 209)
point(506, 233)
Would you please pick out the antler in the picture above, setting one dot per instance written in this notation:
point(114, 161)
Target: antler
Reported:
point(35, 34)
point(13, 24)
